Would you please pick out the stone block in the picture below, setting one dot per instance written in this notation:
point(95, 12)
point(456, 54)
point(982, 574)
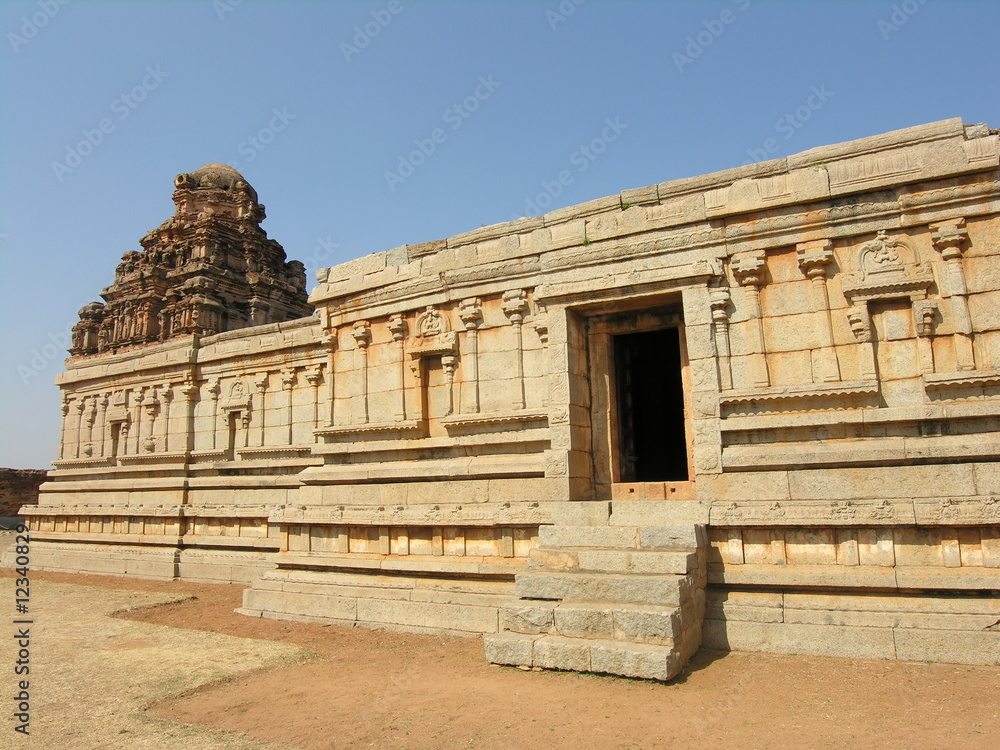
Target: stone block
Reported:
point(555, 652)
point(637, 660)
point(680, 536)
point(587, 536)
point(958, 647)
point(583, 620)
point(527, 617)
point(638, 561)
point(653, 513)
point(646, 624)
point(428, 615)
point(512, 649)
point(814, 640)
point(610, 587)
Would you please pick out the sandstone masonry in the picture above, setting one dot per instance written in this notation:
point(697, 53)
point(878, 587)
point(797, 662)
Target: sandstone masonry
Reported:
point(757, 410)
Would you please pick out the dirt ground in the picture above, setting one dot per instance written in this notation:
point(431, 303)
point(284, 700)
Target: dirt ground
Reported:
point(181, 669)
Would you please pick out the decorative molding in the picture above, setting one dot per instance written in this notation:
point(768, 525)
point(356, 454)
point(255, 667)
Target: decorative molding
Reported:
point(802, 391)
point(360, 429)
point(943, 380)
point(477, 420)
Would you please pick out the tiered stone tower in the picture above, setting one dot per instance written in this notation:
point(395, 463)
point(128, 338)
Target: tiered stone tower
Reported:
point(208, 269)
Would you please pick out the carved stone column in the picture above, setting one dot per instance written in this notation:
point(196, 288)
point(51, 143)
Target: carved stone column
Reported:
point(89, 418)
point(397, 327)
point(949, 237)
point(814, 258)
point(260, 385)
point(362, 333)
point(313, 377)
point(861, 327)
point(167, 397)
point(149, 406)
point(449, 363)
point(103, 400)
point(214, 389)
point(79, 407)
point(288, 385)
point(925, 314)
point(515, 305)
point(330, 344)
point(750, 270)
point(190, 393)
point(472, 316)
point(719, 302)
point(64, 408)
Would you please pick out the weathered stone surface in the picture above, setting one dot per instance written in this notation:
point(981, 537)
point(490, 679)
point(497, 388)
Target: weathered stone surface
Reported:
point(456, 410)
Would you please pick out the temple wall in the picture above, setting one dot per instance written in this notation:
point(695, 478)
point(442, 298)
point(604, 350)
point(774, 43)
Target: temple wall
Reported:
point(395, 458)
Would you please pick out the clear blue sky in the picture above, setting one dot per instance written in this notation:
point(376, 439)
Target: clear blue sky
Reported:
point(321, 105)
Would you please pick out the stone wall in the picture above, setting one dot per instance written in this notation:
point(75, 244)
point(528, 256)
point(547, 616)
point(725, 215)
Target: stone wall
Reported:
point(459, 413)
point(19, 487)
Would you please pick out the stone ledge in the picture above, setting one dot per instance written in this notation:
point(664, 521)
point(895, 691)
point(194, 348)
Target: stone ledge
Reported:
point(804, 391)
point(898, 578)
point(444, 564)
point(969, 379)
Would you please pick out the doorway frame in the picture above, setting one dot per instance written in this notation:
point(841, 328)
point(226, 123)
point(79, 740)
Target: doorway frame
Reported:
point(605, 439)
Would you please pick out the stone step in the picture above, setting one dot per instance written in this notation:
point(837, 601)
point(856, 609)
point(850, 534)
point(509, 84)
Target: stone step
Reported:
point(637, 623)
point(684, 536)
point(638, 588)
point(588, 536)
point(645, 661)
point(675, 562)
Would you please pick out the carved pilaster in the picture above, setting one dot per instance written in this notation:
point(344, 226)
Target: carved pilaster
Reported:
point(814, 258)
point(449, 363)
point(515, 306)
point(288, 386)
point(750, 270)
point(64, 408)
point(189, 392)
point(925, 316)
point(102, 402)
point(314, 377)
point(79, 407)
point(719, 302)
point(149, 407)
point(470, 311)
point(166, 398)
point(949, 237)
point(260, 386)
point(362, 334)
point(861, 326)
point(330, 345)
point(397, 328)
point(213, 390)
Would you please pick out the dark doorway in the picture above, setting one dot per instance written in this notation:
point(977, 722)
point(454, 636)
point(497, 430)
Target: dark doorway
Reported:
point(651, 440)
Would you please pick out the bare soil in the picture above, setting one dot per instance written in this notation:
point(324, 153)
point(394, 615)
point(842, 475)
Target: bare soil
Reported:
point(382, 689)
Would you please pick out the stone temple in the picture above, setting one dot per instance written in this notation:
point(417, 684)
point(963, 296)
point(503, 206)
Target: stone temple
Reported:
point(754, 410)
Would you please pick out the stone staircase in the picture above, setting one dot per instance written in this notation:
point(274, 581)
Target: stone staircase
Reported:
point(622, 600)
